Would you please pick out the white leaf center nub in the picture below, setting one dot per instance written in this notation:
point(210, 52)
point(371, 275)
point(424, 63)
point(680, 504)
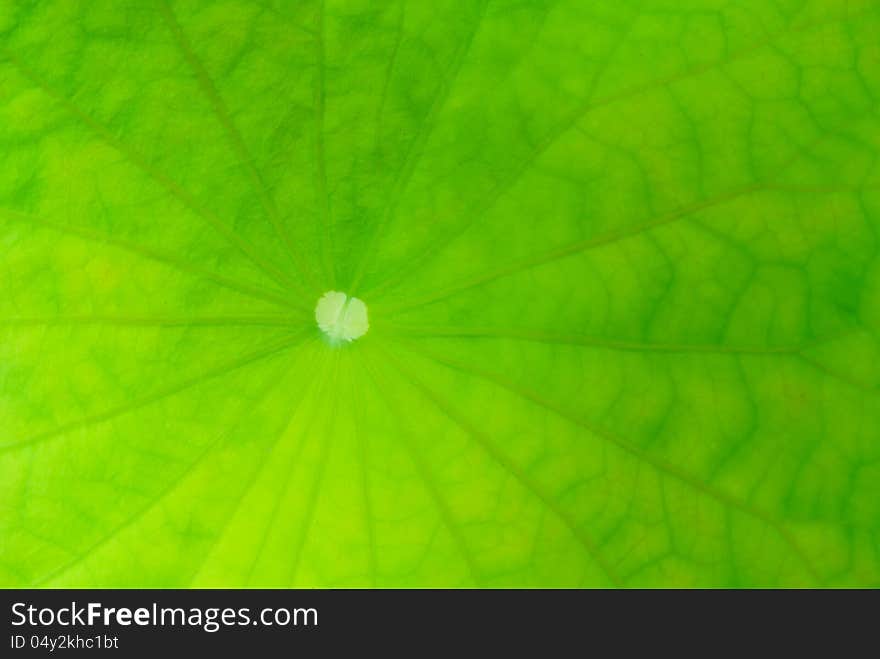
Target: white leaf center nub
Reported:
point(340, 317)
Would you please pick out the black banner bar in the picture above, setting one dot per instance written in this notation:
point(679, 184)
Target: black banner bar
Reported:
point(128, 623)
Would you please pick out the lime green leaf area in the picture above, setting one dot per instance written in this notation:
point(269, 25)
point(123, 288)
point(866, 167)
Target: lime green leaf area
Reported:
point(605, 289)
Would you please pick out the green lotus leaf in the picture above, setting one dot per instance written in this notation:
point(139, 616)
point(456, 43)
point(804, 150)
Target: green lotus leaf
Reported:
point(605, 285)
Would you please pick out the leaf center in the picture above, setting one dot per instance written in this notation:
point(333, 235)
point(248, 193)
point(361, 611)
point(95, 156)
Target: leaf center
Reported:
point(340, 317)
